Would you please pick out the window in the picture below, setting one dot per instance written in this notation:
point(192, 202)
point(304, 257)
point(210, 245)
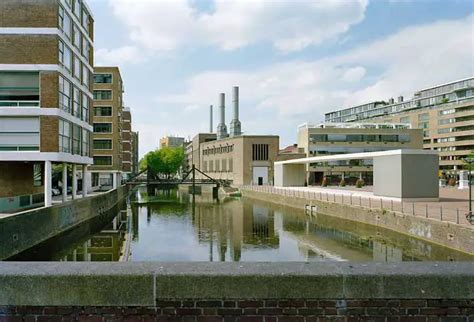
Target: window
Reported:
point(64, 136)
point(231, 165)
point(446, 121)
point(102, 127)
point(61, 18)
point(102, 160)
point(103, 78)
point(76, 102)
point(405, 119)
point(67, 25)
point(85, 20)
point(85, 48)
point(85, 142)
point(423, 117)
point(77, 8)
point(446, 112)
point(64, 94)
point(102, 110)
point(260, 152)
point(61, 52)
point(37, 175)
point(67, 59)
point(85, 108)
point(69, 3)
point(102, 94)
point(77, 37)
point(76, 139)
point(103, 144)
point(77, 68)
point(389, 138)
point(85, 75)
point(19, 89)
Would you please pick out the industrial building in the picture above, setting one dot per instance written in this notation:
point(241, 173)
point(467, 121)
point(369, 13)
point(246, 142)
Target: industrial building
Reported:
point(233, 156)
point(444, 112)
point(45, 96)
point(342, 138)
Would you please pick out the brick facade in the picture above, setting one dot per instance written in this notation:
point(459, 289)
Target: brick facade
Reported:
point(29, 13)
point(29, 49)
point(293, 310)
point(17, 179)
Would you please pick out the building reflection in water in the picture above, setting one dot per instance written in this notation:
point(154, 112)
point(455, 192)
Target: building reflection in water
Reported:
point(111, 244)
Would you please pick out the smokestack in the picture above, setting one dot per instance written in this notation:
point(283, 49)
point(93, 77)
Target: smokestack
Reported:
point(221, 127)
point(210, 119)
point(235, 126)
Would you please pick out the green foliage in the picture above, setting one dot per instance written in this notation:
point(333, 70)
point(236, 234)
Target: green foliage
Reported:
point(342, 183)
point(360, 183)
point(163, 162)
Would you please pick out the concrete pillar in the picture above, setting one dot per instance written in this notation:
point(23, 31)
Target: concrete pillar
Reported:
point(114, 180)
point(84, 181)
point(64, 179)
point(47, 184)
point(74, 181)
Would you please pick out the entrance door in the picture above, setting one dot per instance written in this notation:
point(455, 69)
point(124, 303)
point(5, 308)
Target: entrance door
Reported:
point(260, 175)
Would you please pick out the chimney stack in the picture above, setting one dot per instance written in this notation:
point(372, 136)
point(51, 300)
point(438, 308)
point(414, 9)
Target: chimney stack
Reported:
point(400, 99)
point(221, 127)
point(235, 126)
point(210, 119)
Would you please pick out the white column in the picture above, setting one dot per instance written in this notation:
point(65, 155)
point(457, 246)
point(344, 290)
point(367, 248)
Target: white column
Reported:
point(114, 180)
point(64, 182)
point(47, 184)
point(74, 181)
point(84, 181)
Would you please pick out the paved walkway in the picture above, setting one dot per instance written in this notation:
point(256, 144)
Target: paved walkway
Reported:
point(452, 205)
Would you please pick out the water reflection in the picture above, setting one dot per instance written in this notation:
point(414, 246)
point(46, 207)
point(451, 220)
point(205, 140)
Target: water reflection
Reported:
point(165, 225)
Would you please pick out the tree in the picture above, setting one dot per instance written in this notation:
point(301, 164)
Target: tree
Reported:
point(164, 162)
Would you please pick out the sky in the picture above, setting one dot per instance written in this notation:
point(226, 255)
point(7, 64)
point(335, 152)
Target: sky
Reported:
point(293, 60)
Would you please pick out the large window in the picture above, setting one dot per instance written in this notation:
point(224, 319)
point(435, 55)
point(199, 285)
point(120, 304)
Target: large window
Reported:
point(103, 78)
point(19, 89)
point(77, 102)
point(19, 134)
point(77, 8)
point(85, 108)
point(102, 160)
point(260, 152)
point(85, 142)
point(85, 48)
point(76, 139)
point(103, 95)
point(102, 110)
point(64, 94)
point(64, 136)
point(77, 37)
point(102, 127)
point(67, 25)
point(103, 144)
point(85, 75)
point(77, 67)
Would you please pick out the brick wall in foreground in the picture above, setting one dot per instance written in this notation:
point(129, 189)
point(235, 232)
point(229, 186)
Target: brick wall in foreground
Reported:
point(255, 310)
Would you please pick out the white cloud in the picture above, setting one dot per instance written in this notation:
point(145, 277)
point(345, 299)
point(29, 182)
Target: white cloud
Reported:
point(118, 56)
point(276, 99)
point(165, 25)
point(354, 74)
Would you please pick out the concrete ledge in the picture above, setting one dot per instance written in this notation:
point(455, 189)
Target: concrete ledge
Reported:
point(141, 284)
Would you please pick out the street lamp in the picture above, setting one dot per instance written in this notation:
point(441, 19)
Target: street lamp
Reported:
point(470, 215)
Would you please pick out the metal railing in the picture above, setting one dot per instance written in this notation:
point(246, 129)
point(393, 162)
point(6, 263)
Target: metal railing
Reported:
point(19, 103)
point(421, 209)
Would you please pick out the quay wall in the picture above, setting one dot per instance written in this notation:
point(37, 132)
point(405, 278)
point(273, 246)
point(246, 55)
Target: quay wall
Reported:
point(455, 236)
point(23, 230)
point(407, 291)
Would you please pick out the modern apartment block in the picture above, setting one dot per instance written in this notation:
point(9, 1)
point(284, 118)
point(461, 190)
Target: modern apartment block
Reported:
point(127, 160)
point(342, 138)
point(46, 59)
point(444, 112)
point(135, 153)
point(106, 172)
point(171, 142)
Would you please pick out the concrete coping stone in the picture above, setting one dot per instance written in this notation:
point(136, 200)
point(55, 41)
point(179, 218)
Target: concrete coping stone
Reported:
point(142, 283)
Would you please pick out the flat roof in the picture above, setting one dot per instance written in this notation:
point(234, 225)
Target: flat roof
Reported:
point(358, 156)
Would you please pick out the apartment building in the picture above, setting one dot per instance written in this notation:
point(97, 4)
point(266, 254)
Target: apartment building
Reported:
point(341, 138)
point(127, 159)
point(46, 59)
point(108, 123)
point(444, 112)
point(135, 153)
point(171, 142)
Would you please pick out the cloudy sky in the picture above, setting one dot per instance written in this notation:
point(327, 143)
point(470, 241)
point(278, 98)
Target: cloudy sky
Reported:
point(293, 60)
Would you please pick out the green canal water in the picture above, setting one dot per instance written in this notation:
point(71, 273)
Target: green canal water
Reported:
point(165, 225)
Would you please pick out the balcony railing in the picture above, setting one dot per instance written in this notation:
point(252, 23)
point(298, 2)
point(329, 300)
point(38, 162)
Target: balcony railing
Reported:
point(19, 103)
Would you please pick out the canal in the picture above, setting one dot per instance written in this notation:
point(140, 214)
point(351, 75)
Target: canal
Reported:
point(165, 225)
